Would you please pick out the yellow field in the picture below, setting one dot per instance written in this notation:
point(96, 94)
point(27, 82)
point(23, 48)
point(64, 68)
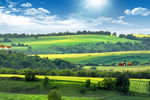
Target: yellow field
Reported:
point(141, 35)
point(70, 78)
point(54, 56)
point(119, 68)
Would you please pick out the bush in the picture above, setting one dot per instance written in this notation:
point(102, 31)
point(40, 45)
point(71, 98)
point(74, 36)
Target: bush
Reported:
point(123, 83)
point(54, 95)
point(88, 83)
point(83, 91)
point(109, 84)
point(94, 87)
point(46, 83)
point(30, 76)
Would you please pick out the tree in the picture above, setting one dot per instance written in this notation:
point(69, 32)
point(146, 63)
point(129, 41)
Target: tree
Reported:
point(7, 40)
point(109, 83)
point(30, 76)
point(46, 83)
point(114, 34)
point(123, 83)
point(88, 83)
point(54, 95)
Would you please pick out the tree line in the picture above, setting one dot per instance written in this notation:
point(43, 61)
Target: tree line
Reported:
point(78, 73)
point(16, 60)
point(23, 35)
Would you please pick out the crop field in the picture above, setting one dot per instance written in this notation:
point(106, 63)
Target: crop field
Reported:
point(108, 57)
point(119, 68)
point(43, 45)
point(139, 86)
point(141, 35)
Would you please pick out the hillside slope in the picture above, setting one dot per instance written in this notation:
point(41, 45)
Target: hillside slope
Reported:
point(107, 58)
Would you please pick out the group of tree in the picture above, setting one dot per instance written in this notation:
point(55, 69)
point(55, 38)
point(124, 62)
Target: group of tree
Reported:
point(19, 45)
point(16, 60)
point(143, 74)
point(119, 83)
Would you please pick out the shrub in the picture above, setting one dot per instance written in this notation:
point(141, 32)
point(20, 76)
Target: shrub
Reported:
point(46, 83)
point(88, 83)
point(94, 87)
point(123, 83)
point(83, 91)
point(30, 76)
point(109, 84)
point(54, 95)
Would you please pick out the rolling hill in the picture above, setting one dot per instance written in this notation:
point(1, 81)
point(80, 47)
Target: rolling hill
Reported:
point(107, 58)
point(48, 44)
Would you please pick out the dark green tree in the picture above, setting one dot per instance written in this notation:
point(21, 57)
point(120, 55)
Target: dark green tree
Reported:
point(88, 83)
point(123, 83)
point(30, 75)
point(46, 83)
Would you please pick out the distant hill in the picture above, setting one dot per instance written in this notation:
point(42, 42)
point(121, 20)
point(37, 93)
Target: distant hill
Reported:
point(58, 44)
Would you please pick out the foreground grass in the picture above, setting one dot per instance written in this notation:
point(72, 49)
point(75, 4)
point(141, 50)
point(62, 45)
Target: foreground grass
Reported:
point(105, 96)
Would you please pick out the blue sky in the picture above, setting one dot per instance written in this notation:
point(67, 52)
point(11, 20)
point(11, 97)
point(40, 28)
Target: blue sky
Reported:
point(46, 16)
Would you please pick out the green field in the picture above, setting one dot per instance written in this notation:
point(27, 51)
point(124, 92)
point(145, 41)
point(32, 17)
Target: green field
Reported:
point(68, 86)
point(107, 58)
point(44, 45)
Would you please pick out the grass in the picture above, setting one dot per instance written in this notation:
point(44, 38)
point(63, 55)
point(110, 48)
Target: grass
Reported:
point(106, 96)
point(119, 68)
point(107, 58)
point(45, 44)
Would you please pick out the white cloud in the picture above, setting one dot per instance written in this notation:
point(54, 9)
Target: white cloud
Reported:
point(127, 11)
point(138, 11)
point(121, 17)
point(26, 5)
point(34, 11)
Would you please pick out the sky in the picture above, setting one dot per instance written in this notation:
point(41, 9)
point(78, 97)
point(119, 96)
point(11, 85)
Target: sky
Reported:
point(48, 16)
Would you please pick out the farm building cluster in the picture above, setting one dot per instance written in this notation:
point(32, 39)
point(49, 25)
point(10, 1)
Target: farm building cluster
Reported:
point(125, 64)
point(3, 47)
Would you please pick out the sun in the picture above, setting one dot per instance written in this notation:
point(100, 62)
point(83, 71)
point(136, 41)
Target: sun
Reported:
point(95, 4)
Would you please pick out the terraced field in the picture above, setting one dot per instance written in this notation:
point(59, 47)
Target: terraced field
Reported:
point(107, 58)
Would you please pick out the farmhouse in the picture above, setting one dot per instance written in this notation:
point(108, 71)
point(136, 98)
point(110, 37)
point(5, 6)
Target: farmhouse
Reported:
point(2, 47)
point(124, 63)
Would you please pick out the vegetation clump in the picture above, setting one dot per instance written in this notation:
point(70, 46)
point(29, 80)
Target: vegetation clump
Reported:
point(54, 95)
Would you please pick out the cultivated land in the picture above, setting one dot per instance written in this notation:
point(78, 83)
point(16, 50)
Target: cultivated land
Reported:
point(119, 68)
point(46, 44)
point(107, 58)
point(68, 86)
